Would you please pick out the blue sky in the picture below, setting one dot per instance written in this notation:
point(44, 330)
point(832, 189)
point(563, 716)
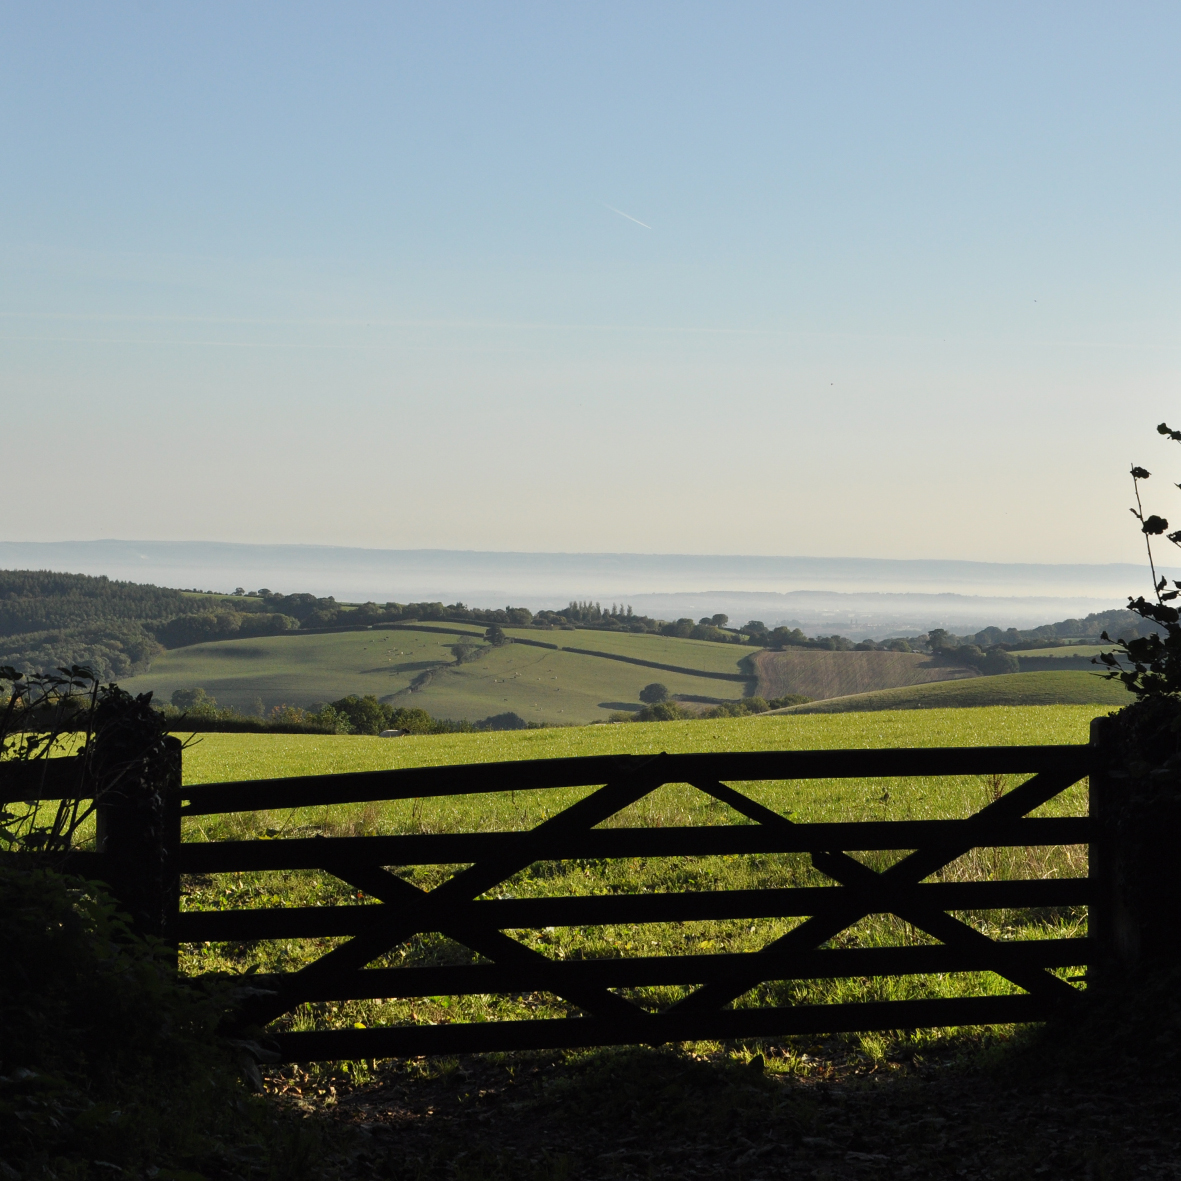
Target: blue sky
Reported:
point(907, 283)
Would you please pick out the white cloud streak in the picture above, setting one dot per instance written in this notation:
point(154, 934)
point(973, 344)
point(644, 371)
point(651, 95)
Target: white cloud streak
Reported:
point(627, 215)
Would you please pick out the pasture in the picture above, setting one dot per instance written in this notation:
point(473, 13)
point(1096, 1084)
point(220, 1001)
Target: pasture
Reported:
point(565, 677)
point(696, 654)
point(1069, 687)
point(416, 668)
point(1064, 652)
point(219, 757)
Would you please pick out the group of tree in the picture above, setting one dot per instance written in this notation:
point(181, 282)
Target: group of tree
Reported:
point(367, 715)
point(661, 707)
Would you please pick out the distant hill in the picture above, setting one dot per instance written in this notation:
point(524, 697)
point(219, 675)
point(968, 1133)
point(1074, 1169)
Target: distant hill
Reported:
point(1038, 688)
point(821, 675)
point(124, 629)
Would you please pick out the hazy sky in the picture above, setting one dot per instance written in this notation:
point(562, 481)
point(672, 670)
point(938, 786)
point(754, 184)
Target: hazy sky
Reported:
point(906, 285)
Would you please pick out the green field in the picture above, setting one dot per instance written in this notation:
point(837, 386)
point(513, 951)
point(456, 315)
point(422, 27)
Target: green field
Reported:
point(217, 757)
point(1072, 687)
point(415, 667)
point(1064, 652)
point(696, 654)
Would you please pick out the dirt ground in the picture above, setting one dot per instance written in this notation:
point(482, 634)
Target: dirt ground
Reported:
point(1033, 1109)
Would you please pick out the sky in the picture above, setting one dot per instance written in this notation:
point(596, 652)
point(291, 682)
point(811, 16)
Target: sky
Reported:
point(897, 280)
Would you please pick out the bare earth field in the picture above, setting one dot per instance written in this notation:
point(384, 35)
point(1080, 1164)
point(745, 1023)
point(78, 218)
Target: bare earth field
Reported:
point(819, 674)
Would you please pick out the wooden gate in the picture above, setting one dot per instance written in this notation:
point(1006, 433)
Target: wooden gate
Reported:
point(459, 908)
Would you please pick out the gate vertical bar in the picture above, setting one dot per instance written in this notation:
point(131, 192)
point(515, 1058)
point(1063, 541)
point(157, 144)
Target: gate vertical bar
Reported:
point(170, 787)
point(1101, 914)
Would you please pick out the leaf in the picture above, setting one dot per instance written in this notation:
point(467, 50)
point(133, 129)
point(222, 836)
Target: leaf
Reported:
point(1163, 429)
point(1139, 473)
point(1154, 525)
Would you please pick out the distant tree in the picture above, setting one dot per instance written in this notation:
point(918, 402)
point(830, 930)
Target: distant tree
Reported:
point(505, 721)
point(997, 661)
point(720, 620)
point(466, 651)
point(366, 714)
point(192, 699)
point(661, 711)
point(654, 693)
point(412, 721)
point(495, 636)
point(940, 640)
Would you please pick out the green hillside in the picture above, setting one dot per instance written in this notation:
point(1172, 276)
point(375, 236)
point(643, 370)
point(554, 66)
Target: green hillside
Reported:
point(668, 650)
point(415, 667)
point(1025, 689)
point(1072, 656)
point(1064, 652)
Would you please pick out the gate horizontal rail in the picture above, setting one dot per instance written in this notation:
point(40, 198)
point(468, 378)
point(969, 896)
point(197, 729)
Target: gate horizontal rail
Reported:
point(356, 787)
point(606, 843)
point(728, 1024)
point(312, 922)
point(654, 971)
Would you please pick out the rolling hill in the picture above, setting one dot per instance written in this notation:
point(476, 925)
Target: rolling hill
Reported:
point(564, 677)
point(1070, 687)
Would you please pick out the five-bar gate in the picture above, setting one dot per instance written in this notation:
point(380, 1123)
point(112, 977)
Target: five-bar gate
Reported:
point(460, 909)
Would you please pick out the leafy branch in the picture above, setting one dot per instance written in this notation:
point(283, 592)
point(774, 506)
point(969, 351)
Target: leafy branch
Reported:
point(115, 738)
point(1150, 666)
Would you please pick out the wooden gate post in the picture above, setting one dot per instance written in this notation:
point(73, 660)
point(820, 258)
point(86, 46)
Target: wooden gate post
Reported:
point(138, 834)
point(1135, 916)
point(1109, 935)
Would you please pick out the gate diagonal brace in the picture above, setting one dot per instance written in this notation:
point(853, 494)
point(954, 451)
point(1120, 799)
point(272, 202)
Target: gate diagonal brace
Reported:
point(497, 946)
point(390, 930)
point(865, 883)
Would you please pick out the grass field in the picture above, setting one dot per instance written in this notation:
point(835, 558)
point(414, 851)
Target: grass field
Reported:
point(538, 683)
point(819, 674)
point(1070, 687)
point(1065, 652)
point(220, 757)
point(695, 654)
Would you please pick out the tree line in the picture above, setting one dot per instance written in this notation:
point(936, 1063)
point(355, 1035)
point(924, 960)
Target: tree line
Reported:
point(195, 709)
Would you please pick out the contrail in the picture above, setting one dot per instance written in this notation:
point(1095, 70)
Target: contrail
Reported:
point(627, 215)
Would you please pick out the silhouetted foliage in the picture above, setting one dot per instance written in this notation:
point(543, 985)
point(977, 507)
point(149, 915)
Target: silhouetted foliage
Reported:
point(1150, 665)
